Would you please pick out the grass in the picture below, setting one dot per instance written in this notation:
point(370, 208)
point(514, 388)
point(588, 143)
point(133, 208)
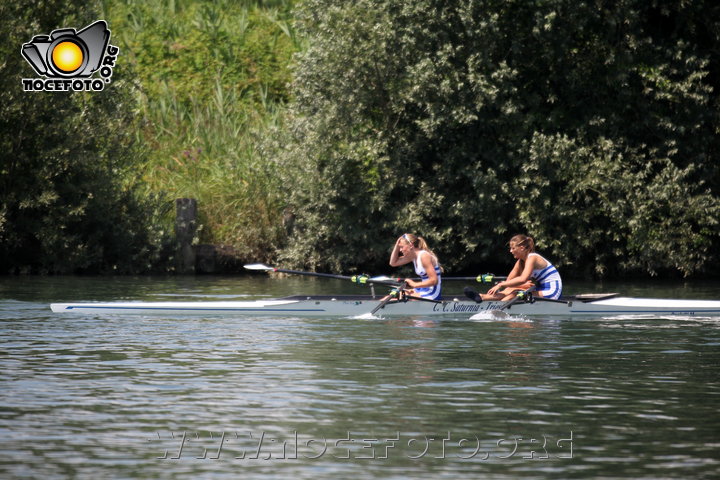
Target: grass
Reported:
point(212, 82)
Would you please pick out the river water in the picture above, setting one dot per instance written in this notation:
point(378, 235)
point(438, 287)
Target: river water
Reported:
point(87, 396)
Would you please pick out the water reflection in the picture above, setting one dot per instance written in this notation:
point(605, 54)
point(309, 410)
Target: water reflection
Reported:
point(413, 344)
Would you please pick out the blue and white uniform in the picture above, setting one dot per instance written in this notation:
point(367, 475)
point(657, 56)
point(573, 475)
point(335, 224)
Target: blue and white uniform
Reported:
point(433, 293)
point(547, 280)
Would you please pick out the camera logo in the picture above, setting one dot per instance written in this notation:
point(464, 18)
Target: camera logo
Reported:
point(68, 59)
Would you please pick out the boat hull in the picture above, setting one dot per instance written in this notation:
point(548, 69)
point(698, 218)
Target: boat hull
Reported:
point(353, 306)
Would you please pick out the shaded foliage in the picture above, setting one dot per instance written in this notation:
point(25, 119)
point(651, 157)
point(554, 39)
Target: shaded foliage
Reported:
point(68, 202)
point(591, 126)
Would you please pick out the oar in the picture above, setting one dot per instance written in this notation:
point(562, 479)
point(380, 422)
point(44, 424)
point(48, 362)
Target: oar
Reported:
point(543, 299)
point(385, 301)
point(483, 278)
point(422, 299)
point(397, 292)
point(521, 295)
point(361, 279)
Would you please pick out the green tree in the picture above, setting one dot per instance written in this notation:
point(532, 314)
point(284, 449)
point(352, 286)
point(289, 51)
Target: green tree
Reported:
point(386, 136)
point(68, 202)
point(614, 209)
point(580, 123)
point(621, 177)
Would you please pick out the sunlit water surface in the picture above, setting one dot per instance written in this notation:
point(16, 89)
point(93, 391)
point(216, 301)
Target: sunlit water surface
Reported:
point(87, 396)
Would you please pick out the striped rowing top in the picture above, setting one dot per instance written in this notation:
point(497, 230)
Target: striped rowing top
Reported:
point(547, 279)
point(433, 292)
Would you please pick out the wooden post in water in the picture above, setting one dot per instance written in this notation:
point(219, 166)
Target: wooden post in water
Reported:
point(185, 227)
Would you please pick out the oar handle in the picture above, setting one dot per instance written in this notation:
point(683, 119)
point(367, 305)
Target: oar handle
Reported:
point(395, 293)
point(488, 278)
point(520, 296)
point(366, 279)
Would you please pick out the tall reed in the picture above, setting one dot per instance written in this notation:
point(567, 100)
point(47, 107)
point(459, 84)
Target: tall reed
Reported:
point(213, 80)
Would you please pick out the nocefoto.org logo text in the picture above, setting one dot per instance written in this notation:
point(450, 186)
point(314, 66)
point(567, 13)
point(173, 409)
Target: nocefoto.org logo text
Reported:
point(66, 59)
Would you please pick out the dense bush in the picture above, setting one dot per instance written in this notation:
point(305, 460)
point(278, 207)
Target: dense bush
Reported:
point(68, 202)
point(590, 126)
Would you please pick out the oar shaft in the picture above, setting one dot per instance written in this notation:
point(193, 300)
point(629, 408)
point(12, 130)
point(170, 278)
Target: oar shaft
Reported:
point(485, 278)
point(312, 274)
point(361, 279)
point(422, 299)
point(552, 300)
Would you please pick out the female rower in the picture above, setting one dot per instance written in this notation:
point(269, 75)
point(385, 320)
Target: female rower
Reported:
point(530, 268)
point(411, 248)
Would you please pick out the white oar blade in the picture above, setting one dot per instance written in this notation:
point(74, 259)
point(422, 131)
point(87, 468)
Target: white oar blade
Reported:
point(258, 266)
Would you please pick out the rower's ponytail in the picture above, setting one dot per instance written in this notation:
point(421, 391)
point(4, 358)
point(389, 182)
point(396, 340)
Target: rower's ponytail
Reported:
point(421, 244)
point(524, 241)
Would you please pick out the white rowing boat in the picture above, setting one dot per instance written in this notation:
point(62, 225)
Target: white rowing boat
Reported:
point(599, 305)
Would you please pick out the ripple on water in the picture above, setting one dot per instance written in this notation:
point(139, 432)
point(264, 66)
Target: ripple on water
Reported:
point(95, 397)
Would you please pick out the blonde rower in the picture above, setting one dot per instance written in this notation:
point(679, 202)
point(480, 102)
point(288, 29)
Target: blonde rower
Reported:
point(411, 248)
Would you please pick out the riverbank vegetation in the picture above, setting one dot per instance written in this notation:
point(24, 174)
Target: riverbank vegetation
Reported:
point(69, 198)
point(314, 132)
point(213, 78)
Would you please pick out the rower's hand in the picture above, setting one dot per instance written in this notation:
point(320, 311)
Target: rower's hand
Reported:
point(410, 283)
point(494, 289)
